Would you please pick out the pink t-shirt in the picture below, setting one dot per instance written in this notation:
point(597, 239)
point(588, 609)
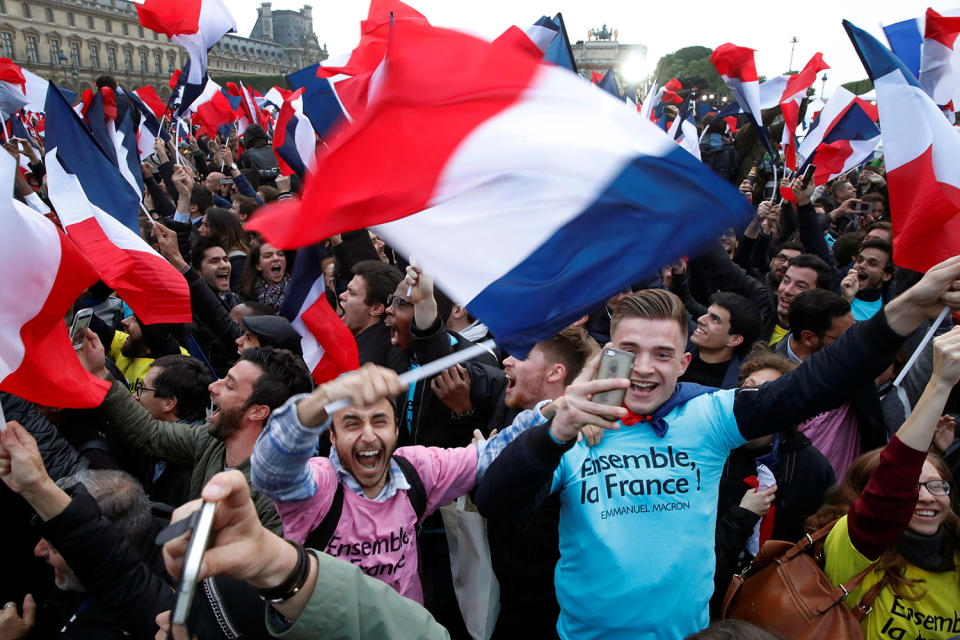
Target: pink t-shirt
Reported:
point(381, 537)
point(835, 434)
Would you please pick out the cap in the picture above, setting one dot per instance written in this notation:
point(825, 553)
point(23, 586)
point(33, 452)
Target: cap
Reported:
point(273, 331)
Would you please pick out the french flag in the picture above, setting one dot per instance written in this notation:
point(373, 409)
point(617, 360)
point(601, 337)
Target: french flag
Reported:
point(329, 348)
point(294, 140)
point(922, 155)
point(906, 41)
point(842, 136)
point(212, 109)
point(793, 94)
point(98, 208)
point(940, 60)
point(13, 88)
point(556, 195)
point(44, 274)
point(550, 36)
point(150, 127)
point(249, 112)
point(739, 71)
point(196, 25)
point(148, 97)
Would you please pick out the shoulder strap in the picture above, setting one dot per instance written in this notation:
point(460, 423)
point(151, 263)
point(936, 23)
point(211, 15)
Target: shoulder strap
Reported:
point(320, 537)
point(417, 494)
point(865, 606)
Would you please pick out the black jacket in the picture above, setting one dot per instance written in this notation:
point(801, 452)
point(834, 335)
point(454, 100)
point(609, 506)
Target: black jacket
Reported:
point(520, 478)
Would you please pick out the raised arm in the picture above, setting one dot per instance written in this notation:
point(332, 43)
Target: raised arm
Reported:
point(882, 513)
point(827, 379)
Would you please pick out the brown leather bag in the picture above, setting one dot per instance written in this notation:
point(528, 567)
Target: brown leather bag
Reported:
point(784, 591)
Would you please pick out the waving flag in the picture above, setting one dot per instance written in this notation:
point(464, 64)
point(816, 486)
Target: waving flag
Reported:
point(329, 348)
point(609, 84)
point(44, 274)
point(150, 128)
point(793, 94)
point(534, 174)
point(148, 96)
point(294, 141)
point(196, 25)
point(550, 35)
point(13, 88)
point(249, 112)
point(906, 41)
point(922, 155)
point(212, 109)
point(842, 136)
point(99, 211)
point(940, 60)
point(738, 70)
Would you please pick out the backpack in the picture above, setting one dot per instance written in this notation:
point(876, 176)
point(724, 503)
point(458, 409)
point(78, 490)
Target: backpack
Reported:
point(322, 534)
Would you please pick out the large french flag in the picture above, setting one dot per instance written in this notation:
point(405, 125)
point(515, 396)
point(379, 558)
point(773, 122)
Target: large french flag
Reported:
point(44, 274)
point(294, 140)
point(99, 210)
point(478, 153)
point(329, 348)
point(212, 109)
point(793, 94)
point(940, 60)
point(739, 71)
point(196, 25)
point(922, 155)
point(842, 136)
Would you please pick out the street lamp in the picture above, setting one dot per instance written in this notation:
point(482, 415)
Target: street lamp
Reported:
point(74, 73)
point(793, 45)
point(170, 69)
point(823, 84)
point(62, 57)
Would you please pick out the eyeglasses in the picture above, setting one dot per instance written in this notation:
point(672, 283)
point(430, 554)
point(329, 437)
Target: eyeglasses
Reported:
point(397, 301)
point(781, 258)
point(138, 388)
point(936, 487)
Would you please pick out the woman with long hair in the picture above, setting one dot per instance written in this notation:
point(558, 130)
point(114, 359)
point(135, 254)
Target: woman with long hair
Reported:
point(224, 228)
point(265, 275)
point(897, 521)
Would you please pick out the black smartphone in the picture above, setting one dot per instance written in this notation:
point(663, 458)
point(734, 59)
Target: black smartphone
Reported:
point(807, 175)
point(191, 564)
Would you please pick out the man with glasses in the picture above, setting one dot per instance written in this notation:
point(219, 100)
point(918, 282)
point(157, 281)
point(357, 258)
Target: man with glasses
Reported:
point(174, 389)
point(817, 318)
point(779, 263)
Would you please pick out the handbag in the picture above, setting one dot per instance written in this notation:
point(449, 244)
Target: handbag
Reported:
point(783, 590)
point(476, 587)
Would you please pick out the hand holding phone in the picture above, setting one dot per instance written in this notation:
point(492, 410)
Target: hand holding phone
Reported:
point(78, 330)
point(614, 363)
point(192, 562)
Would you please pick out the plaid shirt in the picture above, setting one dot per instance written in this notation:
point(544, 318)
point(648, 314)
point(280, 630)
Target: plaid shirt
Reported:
point(279, 469)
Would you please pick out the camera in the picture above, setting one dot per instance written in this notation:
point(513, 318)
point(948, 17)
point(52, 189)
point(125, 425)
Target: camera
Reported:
point(269, 174)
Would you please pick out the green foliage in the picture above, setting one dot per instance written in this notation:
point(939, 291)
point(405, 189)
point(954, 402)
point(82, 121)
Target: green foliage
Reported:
point(261, 83)
point(859, 87)
point(692, 62)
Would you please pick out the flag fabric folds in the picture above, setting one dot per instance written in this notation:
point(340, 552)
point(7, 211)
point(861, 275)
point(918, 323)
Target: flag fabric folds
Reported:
point(148, 96)
point(841, 137)
point(44, 274)
point(329, 348)
point(738, 70)
point(906, 40)
point(99, 211)
point(940, 60)
point(922, 156)
point(543, 181)
point(13, 88)
point(294, 140)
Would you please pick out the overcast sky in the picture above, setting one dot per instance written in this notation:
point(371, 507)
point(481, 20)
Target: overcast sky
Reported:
point(662, 27)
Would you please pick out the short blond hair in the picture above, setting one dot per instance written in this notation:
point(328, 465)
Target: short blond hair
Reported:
point(650, 304)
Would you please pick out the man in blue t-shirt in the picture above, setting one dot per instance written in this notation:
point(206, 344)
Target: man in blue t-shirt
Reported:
point(638, 511)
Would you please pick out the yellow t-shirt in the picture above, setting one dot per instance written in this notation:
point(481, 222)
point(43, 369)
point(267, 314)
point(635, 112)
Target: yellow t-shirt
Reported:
point(778, 333)
point(935, 615)
point(133, 368)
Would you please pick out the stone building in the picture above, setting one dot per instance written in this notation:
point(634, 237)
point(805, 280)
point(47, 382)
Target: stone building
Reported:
point(602, 52)
point(71, 42)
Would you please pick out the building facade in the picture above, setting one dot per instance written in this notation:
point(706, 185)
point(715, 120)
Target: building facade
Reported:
point(71, 42)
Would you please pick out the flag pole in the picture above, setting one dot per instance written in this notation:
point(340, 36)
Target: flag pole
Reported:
point(176, 146)
point(430, 369)
point(3, 119)
point(3, 421)
point(149, 217)
point(923, 343)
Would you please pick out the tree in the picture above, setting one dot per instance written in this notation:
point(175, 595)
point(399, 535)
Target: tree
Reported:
point(692, 62)
point(858, 87)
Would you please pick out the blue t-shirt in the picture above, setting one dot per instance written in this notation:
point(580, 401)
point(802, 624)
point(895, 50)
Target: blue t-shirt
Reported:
point(865, 309)
point(638, 522)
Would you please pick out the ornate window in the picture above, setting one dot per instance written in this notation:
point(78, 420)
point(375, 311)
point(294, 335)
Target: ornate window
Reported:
point(6, 43)
point(70, 19)
point(143, 62)
point(112, 58)
point(89, 22)
point(126, 29)
point(158, 62)
point(94, 56)
point(54, 51)
point(49, 14)
point(128, 60)
point(32, 54)
point(26, 10)
point(75, 54)
point(108, 26)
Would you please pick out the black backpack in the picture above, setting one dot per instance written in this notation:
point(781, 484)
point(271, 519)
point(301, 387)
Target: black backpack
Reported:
point(320, 537)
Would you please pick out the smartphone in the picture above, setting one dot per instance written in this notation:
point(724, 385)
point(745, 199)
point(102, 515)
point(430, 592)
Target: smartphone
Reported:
point(807, 175)
point(614, 363)
point(78, 330)
point(863, 208)
point(191, 564)
point(226, 180)
point(768, 190)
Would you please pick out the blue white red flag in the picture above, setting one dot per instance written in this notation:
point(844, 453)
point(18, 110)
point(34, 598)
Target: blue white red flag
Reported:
point(44, 275)
point(843, 135)
point(739, 71)
point(99, 210)
point(940, 61)
point(150, 127)
point(550, 36)
point(294, 140)
point(922, 156)
point(212, 109)
point(793, 94)
point(195, 25)
point(906, 40)
point(329, 348)
point(557, 195)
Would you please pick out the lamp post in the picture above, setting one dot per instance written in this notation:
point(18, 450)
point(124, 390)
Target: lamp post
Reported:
point(793, 45)
point(823, 84)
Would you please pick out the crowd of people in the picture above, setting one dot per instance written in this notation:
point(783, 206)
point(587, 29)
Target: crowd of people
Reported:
point(760, 406)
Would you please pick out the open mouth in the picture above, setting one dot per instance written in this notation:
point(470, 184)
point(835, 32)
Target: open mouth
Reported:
point(925, 513)
point(511, 382)
point(213, 411)
point(643, 389)
point(699, 331)
point(368, 460)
